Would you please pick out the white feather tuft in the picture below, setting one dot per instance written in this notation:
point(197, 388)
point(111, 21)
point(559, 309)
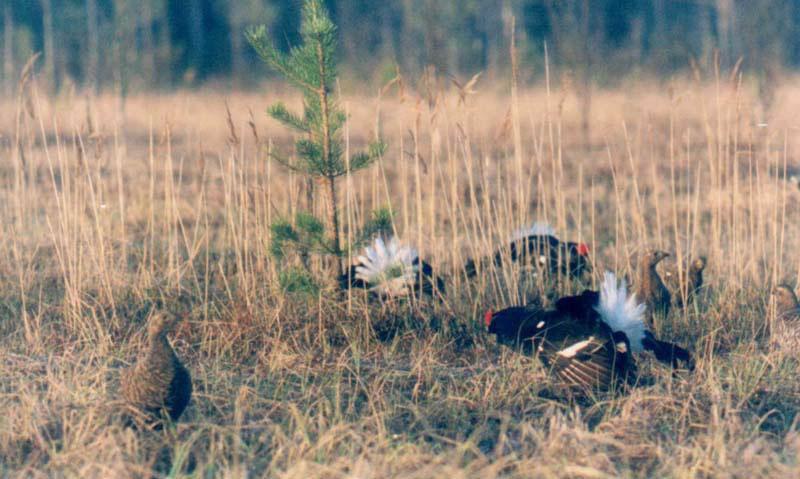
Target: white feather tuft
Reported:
point(388, 267)
point(537, 229)
point(622, 313)
point(571, 351)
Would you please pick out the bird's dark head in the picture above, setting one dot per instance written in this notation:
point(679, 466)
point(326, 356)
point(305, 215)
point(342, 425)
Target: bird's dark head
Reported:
point(507, 323)
point(161, 324)
point(785, 297)
point(487, 319)
point(654, 256)
point(579, 259)
point(699, 264)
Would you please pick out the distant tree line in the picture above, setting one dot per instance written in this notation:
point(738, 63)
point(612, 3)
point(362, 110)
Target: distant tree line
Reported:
point(143, 44)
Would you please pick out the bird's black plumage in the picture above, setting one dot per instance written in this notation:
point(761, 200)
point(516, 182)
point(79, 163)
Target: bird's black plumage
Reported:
point(574, 341)
point(570, 339)
point(426, 280)
point(543, 250)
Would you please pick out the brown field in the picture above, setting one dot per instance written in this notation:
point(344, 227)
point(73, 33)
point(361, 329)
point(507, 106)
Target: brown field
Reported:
point(111, 206)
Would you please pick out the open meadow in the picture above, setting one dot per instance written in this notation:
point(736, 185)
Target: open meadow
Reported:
point(112, 208)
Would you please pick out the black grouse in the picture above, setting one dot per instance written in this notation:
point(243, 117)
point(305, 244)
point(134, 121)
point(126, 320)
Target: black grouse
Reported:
point(540, 247)
point(389, 269)
point(785, 332)
point(692, 280)
point(651, 288)
point(158, 385)
point(586, 340)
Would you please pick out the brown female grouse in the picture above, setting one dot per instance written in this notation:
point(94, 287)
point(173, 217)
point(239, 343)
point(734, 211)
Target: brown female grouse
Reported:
point(651, 289)
point(587, 340)
point(786, 329)
point(158, 385)
point(692, 280)
point(787, 305)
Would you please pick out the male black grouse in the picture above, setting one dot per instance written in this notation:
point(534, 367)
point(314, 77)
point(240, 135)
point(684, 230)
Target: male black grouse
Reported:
point(586, 340)
point(538, 246)
point(389, 270)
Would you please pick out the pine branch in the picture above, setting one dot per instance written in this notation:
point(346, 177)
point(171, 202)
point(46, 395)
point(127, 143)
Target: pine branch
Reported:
point(279, 112)
point(365, 158)
point(286, 162)
point(257, 37)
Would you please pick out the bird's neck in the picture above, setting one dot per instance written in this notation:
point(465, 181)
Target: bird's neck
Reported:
point(787, 307)
point(160, 345)
point(649, 272)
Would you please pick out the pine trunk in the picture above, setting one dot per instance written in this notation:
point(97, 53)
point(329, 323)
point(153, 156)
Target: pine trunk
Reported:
point(333, 221)
point(333, 210)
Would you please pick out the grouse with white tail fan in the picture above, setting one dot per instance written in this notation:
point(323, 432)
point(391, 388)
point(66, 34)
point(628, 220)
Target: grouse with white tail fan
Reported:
point(538, 245)
point(390, 269)
point(586, 340)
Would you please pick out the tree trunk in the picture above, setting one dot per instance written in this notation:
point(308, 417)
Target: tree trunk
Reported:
point(333, 208)
point(586, 87)
point(49, 46)
point(93, 43)
point(8, 50)
point(147, 55)
point(196, 35)
point(237, 48)
point(387, 33)
point(333, 222)
point(724, 28)
point(493, 35)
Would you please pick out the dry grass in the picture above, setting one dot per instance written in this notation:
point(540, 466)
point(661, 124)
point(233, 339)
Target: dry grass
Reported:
point(111, 208)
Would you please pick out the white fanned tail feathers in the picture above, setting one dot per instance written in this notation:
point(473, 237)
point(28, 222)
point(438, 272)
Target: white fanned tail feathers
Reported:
point(620, 311)
point(388, 267)
point(540, 228)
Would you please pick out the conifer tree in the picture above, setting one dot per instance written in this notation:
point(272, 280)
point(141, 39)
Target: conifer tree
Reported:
point(311, 68)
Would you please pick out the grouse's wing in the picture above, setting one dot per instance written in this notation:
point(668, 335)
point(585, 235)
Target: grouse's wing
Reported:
point(597, 362)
